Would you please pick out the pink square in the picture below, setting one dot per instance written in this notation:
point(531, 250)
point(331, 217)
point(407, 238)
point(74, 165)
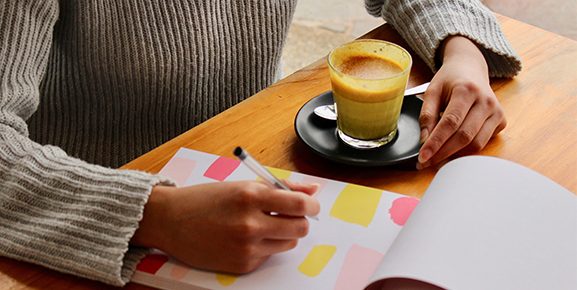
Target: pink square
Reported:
point(360, 263)
point(179, 169)
point(222, 168)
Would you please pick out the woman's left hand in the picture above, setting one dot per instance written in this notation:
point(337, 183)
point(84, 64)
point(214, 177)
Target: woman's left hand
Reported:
point(460, 91)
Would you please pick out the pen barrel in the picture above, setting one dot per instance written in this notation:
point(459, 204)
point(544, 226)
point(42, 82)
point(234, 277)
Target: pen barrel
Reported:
point(260, 170)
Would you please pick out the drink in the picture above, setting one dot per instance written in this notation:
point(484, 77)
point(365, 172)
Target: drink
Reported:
point(368, 78)
point(364, 114)
point(369, 67)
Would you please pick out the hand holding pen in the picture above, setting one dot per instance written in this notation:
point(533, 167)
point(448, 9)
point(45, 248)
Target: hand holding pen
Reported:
point(226, 226)
point(264, 174)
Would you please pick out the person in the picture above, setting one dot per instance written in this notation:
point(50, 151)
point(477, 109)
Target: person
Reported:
point(86, 86)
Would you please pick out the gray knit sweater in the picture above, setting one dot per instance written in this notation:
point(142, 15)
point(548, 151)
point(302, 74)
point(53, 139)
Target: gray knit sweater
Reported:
point(103, 81)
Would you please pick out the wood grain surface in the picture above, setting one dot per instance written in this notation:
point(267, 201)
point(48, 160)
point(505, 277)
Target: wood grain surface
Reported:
point(540, 105)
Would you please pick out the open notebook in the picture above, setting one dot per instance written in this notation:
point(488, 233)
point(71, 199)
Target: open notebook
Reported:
point(484, 223)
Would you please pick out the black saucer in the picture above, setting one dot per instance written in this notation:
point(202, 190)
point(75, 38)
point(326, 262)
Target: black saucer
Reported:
point(321, 136)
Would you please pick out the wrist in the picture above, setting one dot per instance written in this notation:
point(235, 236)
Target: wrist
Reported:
point(153, 220)
point(457, 48)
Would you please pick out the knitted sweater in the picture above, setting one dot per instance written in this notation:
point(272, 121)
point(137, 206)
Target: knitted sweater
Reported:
point(103, 81)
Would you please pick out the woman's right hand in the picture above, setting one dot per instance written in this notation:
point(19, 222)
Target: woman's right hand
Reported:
point(226, 226)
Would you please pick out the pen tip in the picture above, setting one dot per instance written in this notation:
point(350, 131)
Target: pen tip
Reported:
point(237, 151)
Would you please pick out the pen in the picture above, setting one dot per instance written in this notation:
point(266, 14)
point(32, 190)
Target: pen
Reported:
point(264, 174)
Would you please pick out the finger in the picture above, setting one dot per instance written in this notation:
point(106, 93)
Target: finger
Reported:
point(274, 246)
point(492, 127)
point(290, 203)
point(309, 189)
point(430, 110)
point(463, 136)
point(279, 227)
point(452, 119)
point(255, 255)
point(494, 124)
point(244, 264)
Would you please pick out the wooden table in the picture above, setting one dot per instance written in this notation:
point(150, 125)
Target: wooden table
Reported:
point(540, 105)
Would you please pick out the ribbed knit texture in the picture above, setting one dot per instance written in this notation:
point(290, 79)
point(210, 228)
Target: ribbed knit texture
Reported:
point(118, 67)
point(107, 80)
point(413, 19)
point(67, 215)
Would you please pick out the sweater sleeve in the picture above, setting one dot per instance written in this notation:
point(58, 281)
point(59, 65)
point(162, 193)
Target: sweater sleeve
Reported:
point(425, 23)
point(57, 211)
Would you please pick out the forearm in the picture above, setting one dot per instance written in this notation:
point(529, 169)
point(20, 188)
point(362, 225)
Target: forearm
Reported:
point(68, 215)
point(55, 210)
point(424, 24)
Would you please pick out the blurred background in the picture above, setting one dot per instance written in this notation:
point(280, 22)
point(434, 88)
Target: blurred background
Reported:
point(320, 25)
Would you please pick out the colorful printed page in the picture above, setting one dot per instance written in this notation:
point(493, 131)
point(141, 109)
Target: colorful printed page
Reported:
point(488, 223)
point(356, 227)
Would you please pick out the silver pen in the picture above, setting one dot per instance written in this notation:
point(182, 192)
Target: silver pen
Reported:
point(264, 174)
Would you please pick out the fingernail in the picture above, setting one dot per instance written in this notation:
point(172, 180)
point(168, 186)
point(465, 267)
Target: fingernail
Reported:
point(424, 155)
point(419, 166)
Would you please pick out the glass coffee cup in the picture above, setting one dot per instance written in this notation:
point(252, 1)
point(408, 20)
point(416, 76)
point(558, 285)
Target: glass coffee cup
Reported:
point(368, 79)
